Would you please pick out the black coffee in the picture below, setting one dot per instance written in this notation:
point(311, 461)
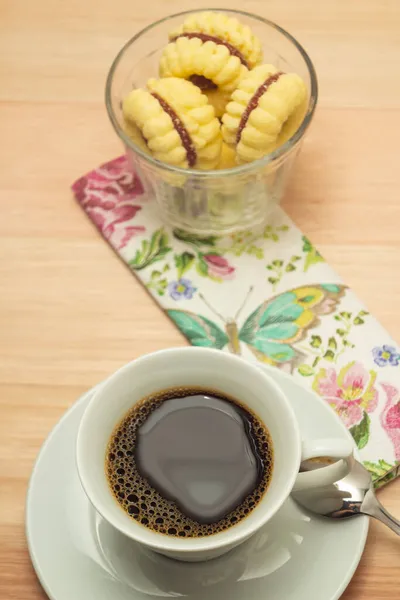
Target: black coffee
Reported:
point(189, 462)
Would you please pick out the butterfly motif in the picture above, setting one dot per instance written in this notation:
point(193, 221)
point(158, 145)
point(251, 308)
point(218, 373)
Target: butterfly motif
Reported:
point(271, 331)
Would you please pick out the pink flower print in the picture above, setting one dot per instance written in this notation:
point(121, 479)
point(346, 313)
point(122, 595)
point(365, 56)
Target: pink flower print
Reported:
point(218, 266)
point(116, 177)
point(122, 235)
point(390, 417)
point(113, 178)
point(120, 214)
point(109, 196)
point(113, 224)
point(350, 393)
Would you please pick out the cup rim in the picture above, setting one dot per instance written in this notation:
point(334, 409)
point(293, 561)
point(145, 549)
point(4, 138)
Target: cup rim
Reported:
point(161, 542)
point(239, 170)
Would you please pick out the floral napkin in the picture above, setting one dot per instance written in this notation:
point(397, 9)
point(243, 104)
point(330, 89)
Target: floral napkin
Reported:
point(267, 295)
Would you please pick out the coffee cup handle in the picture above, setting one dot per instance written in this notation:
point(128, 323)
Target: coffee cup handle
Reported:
point(341, 450)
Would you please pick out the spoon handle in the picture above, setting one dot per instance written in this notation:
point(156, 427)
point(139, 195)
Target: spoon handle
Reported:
point(372, 507)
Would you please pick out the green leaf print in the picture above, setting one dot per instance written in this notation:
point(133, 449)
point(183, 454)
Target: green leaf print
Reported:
point(201, 267)
point(279, 268)
point(305, 370)
point(277, 263)
point(345, 315)
point(378, 470)
point(158, 283)
point(151, 252)
point(183, 263)
point(312, 256)
point(332, 349)
point(289, 267)
point(332, 343)
point(247, 242)
point(316, 341)
point(196, 240)
point(360, 432)
point(237, 244)
point(358, 321)
point(329, 355)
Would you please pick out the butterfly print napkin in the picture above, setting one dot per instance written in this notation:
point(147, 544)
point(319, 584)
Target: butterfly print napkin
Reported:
point(267, 295)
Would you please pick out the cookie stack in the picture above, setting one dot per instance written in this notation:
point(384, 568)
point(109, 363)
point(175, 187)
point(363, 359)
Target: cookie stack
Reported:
point(215, 105)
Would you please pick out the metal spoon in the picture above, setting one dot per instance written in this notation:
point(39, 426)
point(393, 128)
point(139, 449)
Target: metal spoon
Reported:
point(354, 495)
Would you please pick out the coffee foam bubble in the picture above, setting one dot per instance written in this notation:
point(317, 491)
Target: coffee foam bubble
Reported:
point(144, 503)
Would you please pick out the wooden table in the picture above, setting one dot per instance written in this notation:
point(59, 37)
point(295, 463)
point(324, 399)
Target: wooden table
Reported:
point(70, 314)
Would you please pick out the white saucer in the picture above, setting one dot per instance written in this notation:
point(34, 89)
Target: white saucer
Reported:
point(78, 556)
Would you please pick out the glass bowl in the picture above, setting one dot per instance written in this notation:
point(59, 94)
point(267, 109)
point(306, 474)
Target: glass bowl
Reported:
point(220, 201)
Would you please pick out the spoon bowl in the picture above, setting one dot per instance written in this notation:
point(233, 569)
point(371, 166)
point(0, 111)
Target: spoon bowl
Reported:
point(351, 496)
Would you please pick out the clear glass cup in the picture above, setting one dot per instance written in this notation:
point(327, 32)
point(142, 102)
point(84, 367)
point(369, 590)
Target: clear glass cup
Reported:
point(220, 201)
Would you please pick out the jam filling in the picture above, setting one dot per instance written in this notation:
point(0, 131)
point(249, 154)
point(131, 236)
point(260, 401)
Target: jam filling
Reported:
point(186, 140)
point(202, 82)
point(204, 37)
point(254, 102)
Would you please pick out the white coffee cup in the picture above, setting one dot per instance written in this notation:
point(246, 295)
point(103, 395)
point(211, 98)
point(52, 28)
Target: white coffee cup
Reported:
point(228, 374)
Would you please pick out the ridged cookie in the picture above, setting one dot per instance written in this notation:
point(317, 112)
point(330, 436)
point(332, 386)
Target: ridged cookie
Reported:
point(227, 30)
point(213, 51)
point(176, 122)
point(228, 157)
point(218, 100)
point(207, 64)
point(264, 112)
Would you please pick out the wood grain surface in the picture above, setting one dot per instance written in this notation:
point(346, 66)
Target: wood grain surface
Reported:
point(70, 313)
